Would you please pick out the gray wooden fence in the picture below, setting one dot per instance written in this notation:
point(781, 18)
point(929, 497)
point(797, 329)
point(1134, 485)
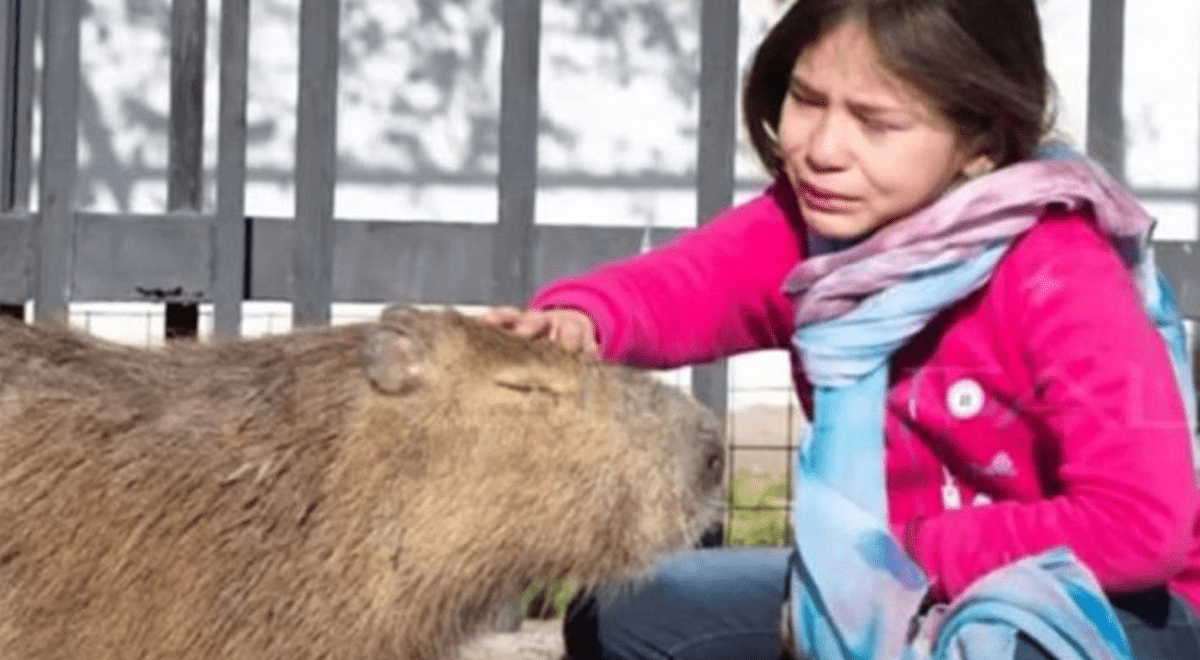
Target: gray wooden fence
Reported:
point(58, 254)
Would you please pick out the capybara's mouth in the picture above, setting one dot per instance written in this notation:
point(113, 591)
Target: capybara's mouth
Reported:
point(709, 513)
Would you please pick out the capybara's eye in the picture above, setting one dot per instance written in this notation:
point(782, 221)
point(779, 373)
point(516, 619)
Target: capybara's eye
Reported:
point(526, 387)
point(713, 463)
point(516, 387)
point(715, 467)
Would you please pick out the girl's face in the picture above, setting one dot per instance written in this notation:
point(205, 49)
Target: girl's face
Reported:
point(860, 146)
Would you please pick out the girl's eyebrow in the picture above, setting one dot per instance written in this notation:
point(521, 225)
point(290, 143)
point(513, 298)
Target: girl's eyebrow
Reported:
point(858, 107)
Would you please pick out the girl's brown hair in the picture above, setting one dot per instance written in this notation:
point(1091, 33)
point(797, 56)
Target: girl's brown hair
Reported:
point(980, 62)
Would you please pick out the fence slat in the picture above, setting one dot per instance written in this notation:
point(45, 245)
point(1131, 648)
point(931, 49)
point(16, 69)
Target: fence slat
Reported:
point(229, 251)
point(431, 262)
point(158, 258)
point(1180, 263)
point(715, 152)
point(316, 164)
point(513, 245)
point(185, 147)
point(15, 235)
point(127, 257)
point(18, 21)
point(1106, 56)
point(718, 106)
point(9, 20)
point(512, 257)
point(60, 106)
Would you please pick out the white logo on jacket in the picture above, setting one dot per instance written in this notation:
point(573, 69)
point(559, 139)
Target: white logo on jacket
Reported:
point(965, 398)
point(1002, 465)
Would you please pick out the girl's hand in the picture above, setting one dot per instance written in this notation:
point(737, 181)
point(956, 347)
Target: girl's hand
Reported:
point(570, 328)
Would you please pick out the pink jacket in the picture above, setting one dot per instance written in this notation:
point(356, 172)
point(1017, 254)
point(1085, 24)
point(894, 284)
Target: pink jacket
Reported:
point(1041, 411)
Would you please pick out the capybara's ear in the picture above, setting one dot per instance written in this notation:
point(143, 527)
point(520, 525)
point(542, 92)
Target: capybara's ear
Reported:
point(395, 362)
point(402, 316)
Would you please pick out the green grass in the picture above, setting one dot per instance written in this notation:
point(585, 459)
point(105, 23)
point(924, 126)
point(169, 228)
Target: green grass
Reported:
point(553, 598)
point(758, 514)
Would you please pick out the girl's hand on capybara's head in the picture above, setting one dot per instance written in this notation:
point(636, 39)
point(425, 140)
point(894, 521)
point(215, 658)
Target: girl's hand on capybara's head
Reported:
point(570, 328)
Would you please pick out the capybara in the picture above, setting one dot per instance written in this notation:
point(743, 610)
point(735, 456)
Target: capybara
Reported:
point(376, 490)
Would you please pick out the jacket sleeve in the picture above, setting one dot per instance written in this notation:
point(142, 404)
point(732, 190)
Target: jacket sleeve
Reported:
point(712, 292)
point(1120, 487)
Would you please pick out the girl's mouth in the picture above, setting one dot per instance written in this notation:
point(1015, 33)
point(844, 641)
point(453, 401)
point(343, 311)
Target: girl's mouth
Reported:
point(821, 199)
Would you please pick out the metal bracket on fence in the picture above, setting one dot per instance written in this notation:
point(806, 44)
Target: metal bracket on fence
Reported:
point(172, 295)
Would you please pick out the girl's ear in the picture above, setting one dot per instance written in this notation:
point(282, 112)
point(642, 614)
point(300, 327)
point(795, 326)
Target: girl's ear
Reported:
point(978, 166)
point(982, 155)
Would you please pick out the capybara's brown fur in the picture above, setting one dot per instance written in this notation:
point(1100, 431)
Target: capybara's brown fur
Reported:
point(368, 491)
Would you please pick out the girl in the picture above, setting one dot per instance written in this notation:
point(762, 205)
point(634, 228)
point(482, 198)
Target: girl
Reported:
point(1040, 409)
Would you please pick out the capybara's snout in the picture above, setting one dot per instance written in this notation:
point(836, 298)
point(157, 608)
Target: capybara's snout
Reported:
point(700, 450)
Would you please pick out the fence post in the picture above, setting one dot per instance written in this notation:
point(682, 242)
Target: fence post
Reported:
point(230, 269)
point(8, 78)
point(186, 140)
point(514, 237)
point(185, 150)
point(55, 221)
point(1106, 55)
point(18, 21)
point(316, 163)
point(513, 243)
point(715, 153)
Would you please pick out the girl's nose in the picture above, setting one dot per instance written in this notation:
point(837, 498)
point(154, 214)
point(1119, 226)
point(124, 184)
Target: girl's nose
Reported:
point(828, 144)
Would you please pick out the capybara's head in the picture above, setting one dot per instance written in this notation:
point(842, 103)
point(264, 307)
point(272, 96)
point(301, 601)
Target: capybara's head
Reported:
point(535, 459)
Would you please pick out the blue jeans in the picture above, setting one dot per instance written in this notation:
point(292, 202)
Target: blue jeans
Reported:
point(723, 604)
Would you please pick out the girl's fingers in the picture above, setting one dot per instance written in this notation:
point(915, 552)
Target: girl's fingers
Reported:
point(576, 335)
point(504, 317)
point(566, 334)
point(582, 344)
point(532, 324)
point(570, 328)
point(520, 322)
point(589, 344)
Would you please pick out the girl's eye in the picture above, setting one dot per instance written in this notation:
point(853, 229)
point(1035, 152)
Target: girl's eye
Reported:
point(878, 126)
point(804, 99)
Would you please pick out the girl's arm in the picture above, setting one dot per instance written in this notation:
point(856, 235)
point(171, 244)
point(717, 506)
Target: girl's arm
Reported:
point(1124, 497)
point(712, 292)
